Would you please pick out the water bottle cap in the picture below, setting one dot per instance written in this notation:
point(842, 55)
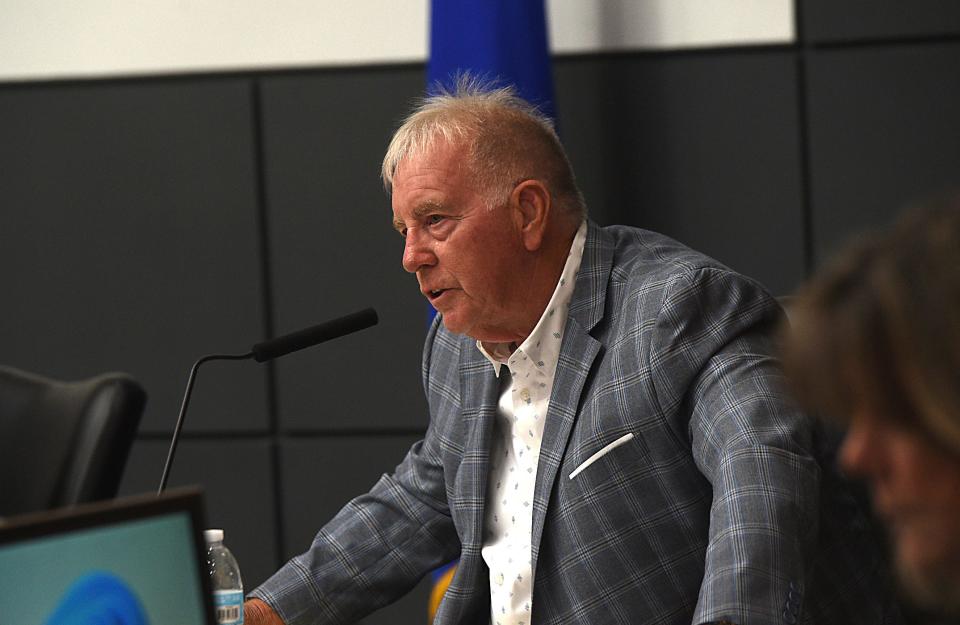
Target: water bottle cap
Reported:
point(212, 536)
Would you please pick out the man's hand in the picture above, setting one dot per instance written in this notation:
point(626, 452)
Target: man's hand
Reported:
point(256, 612)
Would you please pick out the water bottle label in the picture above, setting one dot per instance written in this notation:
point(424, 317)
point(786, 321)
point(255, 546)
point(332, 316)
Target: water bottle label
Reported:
point(228, 606)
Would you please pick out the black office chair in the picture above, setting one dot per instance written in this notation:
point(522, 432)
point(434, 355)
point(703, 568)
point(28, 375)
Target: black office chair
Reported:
point(63, 443)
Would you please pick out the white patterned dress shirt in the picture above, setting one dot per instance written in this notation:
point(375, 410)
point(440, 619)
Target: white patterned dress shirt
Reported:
point(518, 431)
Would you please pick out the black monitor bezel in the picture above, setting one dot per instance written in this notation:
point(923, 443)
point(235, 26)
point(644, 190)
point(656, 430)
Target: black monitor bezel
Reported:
point(104, 513)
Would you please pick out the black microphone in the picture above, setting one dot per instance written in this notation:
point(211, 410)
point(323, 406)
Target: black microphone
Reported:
point(268, 350)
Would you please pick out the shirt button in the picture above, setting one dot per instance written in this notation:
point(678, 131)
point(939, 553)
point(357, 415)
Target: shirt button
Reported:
point(525, 394)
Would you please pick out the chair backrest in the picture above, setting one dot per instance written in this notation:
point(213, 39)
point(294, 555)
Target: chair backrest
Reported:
point(63, 443)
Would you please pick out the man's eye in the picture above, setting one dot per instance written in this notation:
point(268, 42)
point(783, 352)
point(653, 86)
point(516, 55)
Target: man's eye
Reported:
point(434, 219)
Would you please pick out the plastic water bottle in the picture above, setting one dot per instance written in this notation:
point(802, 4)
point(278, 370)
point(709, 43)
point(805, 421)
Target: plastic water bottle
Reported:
point(224, 579)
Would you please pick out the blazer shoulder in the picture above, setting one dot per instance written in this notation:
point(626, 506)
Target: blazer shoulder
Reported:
point(653, 274)
point(642, 253)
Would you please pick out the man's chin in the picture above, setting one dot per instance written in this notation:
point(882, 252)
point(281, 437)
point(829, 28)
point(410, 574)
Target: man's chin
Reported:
point(452, 324)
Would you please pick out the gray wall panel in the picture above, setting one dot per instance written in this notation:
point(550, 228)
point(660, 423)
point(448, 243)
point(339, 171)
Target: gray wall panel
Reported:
point(128, 239)
point(129, 233)
point(334, 250)
point(236, 476)
point(832, 21)
point(320, 476)
point(704, 148)
point(884, 129)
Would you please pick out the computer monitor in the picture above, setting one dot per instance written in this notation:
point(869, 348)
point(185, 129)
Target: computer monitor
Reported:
point(140, 559)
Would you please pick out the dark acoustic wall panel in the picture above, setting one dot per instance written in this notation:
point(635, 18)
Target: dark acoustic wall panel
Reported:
point(334, 249)
point(130, 237)
point(884, 130)
point(701, 147)
point(237, 479)
point(830, 21)
point(320, 476)
point(128, 240)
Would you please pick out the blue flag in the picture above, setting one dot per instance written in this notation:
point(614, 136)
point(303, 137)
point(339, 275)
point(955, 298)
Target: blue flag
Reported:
point(501, 40)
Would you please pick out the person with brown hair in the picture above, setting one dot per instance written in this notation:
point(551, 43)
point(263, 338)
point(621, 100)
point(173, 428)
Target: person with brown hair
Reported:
point(874, 341)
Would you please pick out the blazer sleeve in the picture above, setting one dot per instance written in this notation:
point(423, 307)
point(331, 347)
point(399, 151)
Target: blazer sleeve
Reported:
point(714, 366)
point(376, 548)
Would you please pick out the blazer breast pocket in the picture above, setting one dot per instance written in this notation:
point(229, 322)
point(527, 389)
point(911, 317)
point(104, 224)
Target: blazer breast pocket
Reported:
point(606, 449)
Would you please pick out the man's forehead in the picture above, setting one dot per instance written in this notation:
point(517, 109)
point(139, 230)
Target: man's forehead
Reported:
point(428, 177)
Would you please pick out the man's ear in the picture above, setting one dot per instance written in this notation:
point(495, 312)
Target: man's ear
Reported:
point(533, 203)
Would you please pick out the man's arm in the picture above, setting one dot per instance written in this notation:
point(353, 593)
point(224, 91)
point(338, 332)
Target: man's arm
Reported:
point(714, 366)
point(372, 552)
point(380, 544)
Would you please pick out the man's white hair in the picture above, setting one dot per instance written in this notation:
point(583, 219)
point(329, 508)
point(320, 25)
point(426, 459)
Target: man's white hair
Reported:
point(505, 140)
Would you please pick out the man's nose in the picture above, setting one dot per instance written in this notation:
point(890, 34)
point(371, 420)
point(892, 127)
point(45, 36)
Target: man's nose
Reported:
point(417, 252)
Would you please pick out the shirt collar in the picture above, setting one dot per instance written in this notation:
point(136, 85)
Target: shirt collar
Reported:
point(542, 347)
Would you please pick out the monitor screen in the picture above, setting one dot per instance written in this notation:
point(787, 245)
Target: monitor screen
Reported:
point(138, 561)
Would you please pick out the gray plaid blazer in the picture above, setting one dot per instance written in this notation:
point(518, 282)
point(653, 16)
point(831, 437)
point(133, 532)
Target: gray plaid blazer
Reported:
point(716, 508)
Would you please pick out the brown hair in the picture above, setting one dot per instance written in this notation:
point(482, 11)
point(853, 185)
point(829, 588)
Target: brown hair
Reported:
point(880, 326)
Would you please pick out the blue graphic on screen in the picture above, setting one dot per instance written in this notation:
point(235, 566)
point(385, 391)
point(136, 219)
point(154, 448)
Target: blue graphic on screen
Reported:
point(138, 572)
point(99, 599)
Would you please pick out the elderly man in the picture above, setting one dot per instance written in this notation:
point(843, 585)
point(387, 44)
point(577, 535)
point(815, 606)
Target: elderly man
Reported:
point(876, 343)
point(608, 442)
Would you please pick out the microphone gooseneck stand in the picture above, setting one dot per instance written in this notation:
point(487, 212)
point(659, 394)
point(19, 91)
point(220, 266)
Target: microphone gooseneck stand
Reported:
point(268, 350)
point(183, 409)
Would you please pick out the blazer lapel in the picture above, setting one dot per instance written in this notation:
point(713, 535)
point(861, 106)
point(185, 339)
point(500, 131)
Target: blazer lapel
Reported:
point(478, 396)
point(577, 354)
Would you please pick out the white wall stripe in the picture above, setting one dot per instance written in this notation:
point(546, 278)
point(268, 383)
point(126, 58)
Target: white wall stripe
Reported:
point(46, 39)
point(600, 25)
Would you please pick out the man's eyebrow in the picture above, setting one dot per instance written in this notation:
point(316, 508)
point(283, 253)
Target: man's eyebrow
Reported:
point(419, 211)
